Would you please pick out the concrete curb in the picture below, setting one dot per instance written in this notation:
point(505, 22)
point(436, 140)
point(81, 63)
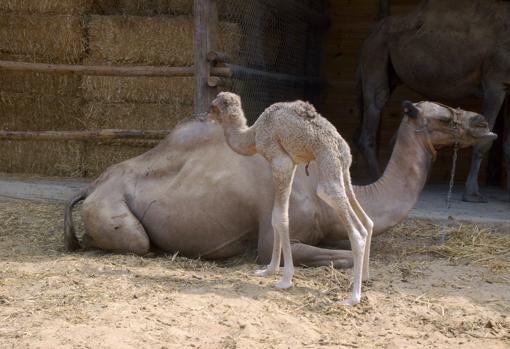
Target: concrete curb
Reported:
point(39, 190)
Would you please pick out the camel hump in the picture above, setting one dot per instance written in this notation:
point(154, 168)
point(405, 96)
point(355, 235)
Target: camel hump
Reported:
point(305, 110)
point(298, 108)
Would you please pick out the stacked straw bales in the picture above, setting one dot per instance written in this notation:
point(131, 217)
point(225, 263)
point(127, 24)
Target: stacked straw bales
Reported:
point(39, 7)
point(50, 39)
point(141, 102)
point(146, 7)
point(118, 32)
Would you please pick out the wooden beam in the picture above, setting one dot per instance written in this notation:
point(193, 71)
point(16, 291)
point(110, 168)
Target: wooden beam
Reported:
point(106, 70)
point(218, 57)
point(206, 26)
point(104, 135)
point(101, 70)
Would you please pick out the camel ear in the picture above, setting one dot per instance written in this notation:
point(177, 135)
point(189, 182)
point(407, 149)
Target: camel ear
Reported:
point(409, 109)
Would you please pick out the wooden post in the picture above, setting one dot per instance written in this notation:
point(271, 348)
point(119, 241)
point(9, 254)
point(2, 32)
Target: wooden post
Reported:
point(206, 28)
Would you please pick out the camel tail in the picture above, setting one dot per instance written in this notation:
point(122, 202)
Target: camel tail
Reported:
point(71, 242)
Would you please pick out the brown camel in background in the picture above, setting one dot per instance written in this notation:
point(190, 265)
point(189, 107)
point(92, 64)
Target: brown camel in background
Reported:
point(194, 195)
point(443, 49)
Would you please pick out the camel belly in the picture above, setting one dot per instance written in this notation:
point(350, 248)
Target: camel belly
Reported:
point(436, 72)
point(200, 213)
point(199, 236)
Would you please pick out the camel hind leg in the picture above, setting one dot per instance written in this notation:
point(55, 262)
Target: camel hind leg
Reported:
point(493, 100)
point(111, 226)
point(368, 224)
point(331, 189)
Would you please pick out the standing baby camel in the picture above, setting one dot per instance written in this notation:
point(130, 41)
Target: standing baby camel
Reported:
point(288, 134)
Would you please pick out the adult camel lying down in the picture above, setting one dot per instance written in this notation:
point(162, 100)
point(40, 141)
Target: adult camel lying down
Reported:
point(194, 195)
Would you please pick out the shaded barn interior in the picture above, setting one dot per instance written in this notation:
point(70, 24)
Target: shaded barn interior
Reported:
point(284, 48)
point(351, 22)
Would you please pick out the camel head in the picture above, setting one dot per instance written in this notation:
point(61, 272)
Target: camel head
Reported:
point(226, 108)
point(442, 126)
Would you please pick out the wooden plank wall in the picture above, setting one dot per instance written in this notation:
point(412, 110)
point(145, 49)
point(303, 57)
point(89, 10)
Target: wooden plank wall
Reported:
point(351, 21)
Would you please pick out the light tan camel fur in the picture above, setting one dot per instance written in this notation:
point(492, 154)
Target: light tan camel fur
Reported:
point(286, 135)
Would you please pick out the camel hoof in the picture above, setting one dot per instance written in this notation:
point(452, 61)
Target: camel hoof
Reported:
point(264, 272)
point(348, 302)
point(476, 197)
point(283, 284)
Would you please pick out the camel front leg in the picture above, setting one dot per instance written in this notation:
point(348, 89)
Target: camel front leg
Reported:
point(283, 174)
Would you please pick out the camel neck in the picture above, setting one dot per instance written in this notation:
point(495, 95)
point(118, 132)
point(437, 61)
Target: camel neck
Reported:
point(389, 200)
point(240, 137)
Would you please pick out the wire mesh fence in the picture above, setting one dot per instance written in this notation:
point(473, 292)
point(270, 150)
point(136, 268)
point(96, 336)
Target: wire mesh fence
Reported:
point(279, 57)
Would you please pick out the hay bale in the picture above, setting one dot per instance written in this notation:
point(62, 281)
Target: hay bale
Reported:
point(40, 84)
point(68, 7)
point(99, 157)
point(41, 158)
point(49, 39)
point(20, 112)
point(138, 89)
point(145, 7)
point(134, 116)
point(153, 40)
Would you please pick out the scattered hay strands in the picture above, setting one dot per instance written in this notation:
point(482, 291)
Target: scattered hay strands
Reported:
point(45, 39)
point(38, 274)
point(464, 243)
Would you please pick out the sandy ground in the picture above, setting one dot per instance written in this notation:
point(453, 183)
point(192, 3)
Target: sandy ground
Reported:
point(423, 294)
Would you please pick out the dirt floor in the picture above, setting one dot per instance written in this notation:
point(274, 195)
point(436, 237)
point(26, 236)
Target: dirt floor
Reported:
point(432, 286)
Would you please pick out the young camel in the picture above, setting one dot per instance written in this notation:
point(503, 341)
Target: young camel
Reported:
point(288, 134)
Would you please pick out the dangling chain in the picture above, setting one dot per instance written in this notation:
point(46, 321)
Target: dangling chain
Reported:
point(456, 145)
point(452, 175)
